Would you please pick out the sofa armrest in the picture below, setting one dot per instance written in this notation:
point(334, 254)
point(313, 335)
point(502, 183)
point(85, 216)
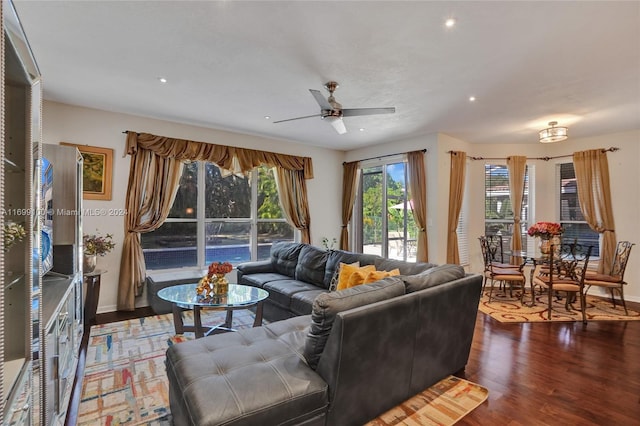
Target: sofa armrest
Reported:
point(259, 267)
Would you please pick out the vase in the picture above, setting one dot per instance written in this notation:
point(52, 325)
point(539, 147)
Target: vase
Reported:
point(546, 243)
point(220, 284)
point(89, 262)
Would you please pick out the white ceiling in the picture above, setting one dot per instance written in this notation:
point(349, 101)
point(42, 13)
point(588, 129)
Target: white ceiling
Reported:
point(230, 63)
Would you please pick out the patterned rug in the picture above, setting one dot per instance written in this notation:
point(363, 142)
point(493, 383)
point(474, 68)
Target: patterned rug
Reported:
point(442, 404)
point(507, 308)
point(125, 381)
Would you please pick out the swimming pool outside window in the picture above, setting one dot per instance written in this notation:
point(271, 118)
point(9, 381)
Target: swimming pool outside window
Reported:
point(218, 218)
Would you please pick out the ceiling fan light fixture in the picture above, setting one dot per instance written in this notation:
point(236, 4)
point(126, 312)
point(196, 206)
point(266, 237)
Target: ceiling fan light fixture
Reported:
point(553, 133)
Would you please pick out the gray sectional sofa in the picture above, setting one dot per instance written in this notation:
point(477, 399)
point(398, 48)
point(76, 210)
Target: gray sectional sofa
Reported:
point(359, 352)
point(297, 273)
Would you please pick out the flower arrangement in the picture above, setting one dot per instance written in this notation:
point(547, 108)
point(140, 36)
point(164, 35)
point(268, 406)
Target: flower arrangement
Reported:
point(217, 268)
point(13, 233)
point(97, 244)
point(545, 230)
point(214, 283)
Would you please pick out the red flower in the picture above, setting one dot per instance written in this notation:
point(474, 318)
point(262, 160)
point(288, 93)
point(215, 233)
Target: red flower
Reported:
point(219, 268)
point(545, 230)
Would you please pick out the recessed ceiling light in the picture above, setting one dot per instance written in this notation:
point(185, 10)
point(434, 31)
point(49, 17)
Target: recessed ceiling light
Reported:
point(267, 117)
point(449, 22)
point(162, 79)
point(362, 129)
point(472, 98)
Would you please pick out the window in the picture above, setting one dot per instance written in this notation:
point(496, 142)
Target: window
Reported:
point(571, 219)
point(218, 218)
point(498, 212)
point(383, 212)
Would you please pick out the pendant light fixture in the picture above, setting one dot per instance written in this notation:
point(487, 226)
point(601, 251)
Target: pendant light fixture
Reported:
point(553, 133)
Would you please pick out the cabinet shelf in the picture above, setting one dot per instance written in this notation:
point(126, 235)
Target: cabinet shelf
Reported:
point(12, 370)
point(11, 280)
point(12, 167)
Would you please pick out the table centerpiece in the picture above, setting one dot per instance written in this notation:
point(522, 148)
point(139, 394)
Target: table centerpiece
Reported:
point(215, 282)
point(549, 234)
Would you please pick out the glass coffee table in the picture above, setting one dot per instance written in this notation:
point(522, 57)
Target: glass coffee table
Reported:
point(184, 296)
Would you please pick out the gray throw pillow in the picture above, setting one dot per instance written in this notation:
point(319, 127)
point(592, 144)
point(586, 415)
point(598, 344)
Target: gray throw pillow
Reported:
point(433, 277)
point(406, 268)
point(327, 305)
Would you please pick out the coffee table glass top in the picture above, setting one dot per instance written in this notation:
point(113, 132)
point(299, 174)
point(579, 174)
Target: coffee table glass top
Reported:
point(185, 296)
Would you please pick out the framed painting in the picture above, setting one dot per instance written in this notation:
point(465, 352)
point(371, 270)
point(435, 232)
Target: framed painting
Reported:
point(97, 171)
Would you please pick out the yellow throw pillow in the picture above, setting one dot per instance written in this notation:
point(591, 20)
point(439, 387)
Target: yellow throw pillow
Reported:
point(347, 270)
point(378, 275)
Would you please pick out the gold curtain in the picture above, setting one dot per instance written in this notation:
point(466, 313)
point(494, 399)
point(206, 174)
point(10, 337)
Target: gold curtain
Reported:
point(292, 188)
point(594, 194)
point(156, 168)
point(456, 195)
point(517, 166)
point(232, 159)
point(349, 187)
point(153, 184)
point(418, 195)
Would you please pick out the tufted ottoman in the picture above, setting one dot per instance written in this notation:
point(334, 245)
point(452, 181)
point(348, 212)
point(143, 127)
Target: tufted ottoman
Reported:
point(250, 377)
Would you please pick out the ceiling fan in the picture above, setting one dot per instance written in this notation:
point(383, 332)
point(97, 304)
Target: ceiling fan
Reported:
point(332, 110)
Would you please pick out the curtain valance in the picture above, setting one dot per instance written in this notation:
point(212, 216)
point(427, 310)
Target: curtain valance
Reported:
point(233, 159)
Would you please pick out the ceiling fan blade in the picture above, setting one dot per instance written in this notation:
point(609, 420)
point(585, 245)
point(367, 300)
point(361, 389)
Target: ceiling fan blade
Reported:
point(338, 124)
point(297, 118)
point(321, 100)
point(350, 112)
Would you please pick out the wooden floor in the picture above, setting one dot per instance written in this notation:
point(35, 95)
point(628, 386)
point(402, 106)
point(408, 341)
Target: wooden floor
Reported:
point(543, 374)
point(556, 373)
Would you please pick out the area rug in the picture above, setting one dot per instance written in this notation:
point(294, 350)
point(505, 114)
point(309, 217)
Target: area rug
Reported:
point(125, 381)
point(444, 403)
point(505, 307)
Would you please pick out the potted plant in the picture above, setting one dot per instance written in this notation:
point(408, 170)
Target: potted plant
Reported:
point(95, 245)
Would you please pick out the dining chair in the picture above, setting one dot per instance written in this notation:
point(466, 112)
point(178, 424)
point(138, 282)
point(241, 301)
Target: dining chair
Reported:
point(504, 275)
point(565, 274)
point(615, 280)
point(495, 247)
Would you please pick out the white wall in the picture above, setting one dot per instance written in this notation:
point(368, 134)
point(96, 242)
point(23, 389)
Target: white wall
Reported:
point(84, 126)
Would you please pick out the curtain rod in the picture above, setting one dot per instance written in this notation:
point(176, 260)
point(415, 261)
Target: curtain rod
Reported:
point(612, 149)
point(383, 156)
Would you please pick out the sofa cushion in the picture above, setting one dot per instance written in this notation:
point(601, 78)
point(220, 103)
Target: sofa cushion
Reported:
point(326, 306)
point(259, 280)
point(340, 256)
point(284, 257)
point(433, 277)
point(349, 270)
point(406, 268)
point(302, 302)
point(281, 291)
point(312, 262)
